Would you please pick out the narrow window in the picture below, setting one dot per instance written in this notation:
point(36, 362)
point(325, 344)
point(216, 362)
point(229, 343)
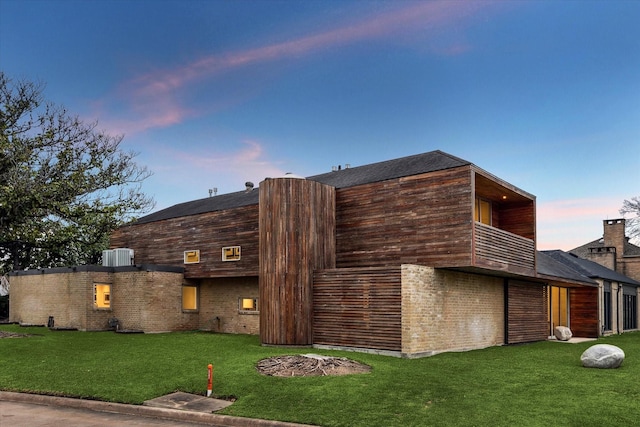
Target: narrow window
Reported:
point(189, 297)
point(606, 305)
point(629, 308)
point(483, 211)
point(248, 305)
point(102, 295)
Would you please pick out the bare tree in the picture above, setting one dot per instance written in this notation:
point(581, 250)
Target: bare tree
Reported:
point(632, 207)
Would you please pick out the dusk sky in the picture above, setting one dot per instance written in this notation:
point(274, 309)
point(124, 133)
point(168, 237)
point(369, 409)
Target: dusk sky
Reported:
point(543, 94)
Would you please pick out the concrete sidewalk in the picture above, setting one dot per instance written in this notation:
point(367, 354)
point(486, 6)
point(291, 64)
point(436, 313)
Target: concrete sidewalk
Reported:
point(178, 407)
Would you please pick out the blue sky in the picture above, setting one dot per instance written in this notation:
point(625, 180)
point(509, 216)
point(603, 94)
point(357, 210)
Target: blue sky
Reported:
point(543, 94)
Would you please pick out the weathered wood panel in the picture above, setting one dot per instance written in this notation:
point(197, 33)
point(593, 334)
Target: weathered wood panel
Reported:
point(583, 312)
point(527, 311)
point(423, 219)
point(297, 223)
point(358, 308)
point(164, 242)
point(518, 218)
point(501, 250)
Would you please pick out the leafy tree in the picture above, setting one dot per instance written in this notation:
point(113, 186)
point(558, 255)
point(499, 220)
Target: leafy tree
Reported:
point(64, 184)
point(632, 207)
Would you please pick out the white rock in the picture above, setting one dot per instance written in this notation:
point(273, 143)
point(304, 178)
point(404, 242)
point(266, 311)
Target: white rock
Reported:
point(562, 333)
point(604, 356)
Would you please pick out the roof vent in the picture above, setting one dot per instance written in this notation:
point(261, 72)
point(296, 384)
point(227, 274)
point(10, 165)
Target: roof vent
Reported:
point(292, 175)
point(248, 186)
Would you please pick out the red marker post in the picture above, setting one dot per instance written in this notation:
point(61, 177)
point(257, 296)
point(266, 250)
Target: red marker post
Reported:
point(209, 379)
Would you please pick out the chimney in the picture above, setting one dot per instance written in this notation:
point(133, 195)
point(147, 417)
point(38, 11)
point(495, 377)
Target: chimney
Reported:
point(614, 235)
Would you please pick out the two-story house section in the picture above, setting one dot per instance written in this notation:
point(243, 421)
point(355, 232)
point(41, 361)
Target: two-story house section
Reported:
point(410, 257)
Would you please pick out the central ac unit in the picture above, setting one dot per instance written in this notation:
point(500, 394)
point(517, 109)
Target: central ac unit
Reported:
point(107, 258)
point(117, 257)
point(122, 257)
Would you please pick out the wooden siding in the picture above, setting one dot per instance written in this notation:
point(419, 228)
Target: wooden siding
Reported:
point(422, 219)
point(583, 312)
point(500, 250)
point(164, 242)
point(518, 218)
point(358, 308)
point(297, 226)
point(527, 311)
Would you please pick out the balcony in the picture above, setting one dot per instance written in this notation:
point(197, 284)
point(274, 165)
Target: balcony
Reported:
point(501, 250)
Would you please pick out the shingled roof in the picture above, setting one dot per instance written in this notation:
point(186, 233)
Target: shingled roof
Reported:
point(589, 268)
point(583, 251)
point(390, 169)
point(343, 178)
point(550, 267)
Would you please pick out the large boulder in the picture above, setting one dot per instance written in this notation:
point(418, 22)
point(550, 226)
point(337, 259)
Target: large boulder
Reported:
point(562, 333)
point(604, 356)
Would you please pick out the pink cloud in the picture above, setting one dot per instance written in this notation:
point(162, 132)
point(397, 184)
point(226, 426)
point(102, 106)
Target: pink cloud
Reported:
point(566, 224)
point(229, 170)
point(153, 100)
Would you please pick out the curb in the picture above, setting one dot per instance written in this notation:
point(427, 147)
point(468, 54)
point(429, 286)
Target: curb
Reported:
point(143, 411)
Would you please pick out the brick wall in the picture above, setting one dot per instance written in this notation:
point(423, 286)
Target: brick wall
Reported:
point(35, 297)
point(450, 311)
point(219, 305)
point(150, 301)
point(630, 267)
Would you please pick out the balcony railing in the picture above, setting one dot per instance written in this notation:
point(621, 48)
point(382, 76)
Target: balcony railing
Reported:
point(498, 247)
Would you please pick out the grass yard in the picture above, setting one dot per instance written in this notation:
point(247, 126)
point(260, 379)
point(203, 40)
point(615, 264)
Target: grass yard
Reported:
point(540, 384)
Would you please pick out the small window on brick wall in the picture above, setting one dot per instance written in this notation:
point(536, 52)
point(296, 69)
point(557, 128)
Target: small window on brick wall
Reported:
point(189, 298)
point(248, 305)
point(102, 295)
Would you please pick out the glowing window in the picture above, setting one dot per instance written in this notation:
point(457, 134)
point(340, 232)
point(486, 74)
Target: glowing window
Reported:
point(483, 211)
point(231, 253)
point(189, 297)
point(248, 305)
point(102, 295)
point(191, 257)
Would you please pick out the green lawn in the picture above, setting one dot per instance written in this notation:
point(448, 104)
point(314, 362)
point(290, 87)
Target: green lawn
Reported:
point(541, 384)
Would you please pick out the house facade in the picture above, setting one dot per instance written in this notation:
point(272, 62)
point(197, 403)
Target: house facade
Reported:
point(613, 250)
point(409, 257)
point(617, 293)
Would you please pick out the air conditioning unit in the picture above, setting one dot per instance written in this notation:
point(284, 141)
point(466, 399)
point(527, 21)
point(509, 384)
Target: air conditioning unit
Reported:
point(122, 257)
point(107, 258)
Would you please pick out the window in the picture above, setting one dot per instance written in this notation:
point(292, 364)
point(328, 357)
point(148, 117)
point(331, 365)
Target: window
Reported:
point(189, 297)
point(102, 295)
point(629, 308)
point(248, 305)
point(192, 257)
point(231, 253)
point(483, 211)
point(606, 305)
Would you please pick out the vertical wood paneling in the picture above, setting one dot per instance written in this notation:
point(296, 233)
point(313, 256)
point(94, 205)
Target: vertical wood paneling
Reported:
point(296, 237)
point(358, 308)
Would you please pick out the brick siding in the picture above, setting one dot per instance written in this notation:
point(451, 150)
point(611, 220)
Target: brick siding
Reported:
point(450, 311)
